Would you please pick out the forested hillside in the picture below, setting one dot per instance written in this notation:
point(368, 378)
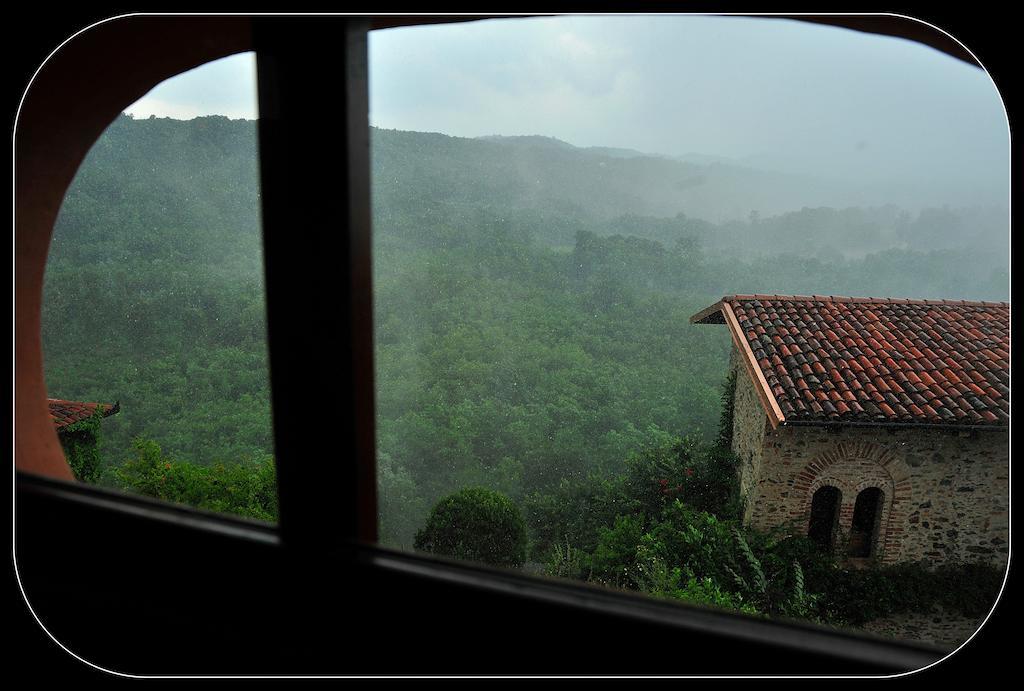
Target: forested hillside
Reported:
point(531, 298)
point(153, 291)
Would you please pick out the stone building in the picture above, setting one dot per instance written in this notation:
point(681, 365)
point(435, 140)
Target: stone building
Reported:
point(877, 426)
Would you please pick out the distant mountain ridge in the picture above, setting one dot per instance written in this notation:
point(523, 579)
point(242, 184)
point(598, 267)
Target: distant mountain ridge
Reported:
point(527, 140)
point(550, 188)
point(605, 182)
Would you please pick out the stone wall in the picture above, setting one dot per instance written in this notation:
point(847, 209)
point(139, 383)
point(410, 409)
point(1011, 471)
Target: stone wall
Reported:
point(749, 422)
point(945, 493)
point(939, 628)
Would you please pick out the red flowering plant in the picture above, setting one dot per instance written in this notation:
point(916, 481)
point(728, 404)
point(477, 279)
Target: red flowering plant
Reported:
point(670, 492)
point(703, 476)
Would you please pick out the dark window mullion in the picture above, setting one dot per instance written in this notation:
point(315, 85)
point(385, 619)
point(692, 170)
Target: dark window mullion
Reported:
point(314, 163)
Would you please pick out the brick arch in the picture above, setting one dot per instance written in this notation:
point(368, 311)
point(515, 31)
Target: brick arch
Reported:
point(828, 481)
point(888, 472)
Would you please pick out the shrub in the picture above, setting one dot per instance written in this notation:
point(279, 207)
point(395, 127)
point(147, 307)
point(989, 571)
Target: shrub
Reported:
point(244, 489)
point(703, 476)
point(655, 577)
point(476, 524)
point(704, 591)
point(783, 545)
point(856, 596)
point(615, 558)
point(695, 539)
point(575, 512)
point(774, 591)
point(630, 552)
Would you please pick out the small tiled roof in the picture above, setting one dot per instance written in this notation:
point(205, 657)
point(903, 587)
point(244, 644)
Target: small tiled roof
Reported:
point(825, 359)
point(66, 413)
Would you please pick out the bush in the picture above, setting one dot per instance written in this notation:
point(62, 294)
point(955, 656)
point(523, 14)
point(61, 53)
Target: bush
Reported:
point(775, 591)
point(614, 560)
point(695, 539)
point(704, 591)
point(694, 542)
point(703, 476)
point(860, 595)
point(244, 489)
point(575, 512)
point(693, 555)
point(476, 524)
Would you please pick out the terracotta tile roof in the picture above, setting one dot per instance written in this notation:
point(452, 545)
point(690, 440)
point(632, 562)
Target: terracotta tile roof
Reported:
point(825, 359)
point(66, 413)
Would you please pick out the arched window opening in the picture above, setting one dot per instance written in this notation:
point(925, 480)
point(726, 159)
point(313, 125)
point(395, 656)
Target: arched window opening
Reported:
point(825, 516)
point(866, 515)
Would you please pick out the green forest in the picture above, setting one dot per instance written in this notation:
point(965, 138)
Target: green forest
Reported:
point(531, 327)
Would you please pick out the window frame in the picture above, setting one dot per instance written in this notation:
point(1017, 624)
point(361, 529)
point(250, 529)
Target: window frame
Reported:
point(292, 57)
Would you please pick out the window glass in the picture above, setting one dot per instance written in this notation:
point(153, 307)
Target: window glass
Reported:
point(555, 198)
point(153, 316)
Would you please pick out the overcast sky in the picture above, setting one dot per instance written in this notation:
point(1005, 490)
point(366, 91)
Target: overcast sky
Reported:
point(773, 93)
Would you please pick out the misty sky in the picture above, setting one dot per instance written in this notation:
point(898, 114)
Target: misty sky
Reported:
point(770, 93)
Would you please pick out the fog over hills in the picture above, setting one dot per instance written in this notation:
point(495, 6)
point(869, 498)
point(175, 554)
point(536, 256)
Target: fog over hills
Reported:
point(548, 186)
point(774, 114)
point(811, 216)
point(718, 188)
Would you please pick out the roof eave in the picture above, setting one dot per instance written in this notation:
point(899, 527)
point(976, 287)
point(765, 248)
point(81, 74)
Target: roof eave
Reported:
point(710, 315)
point(894, 425)
point(721, 313)
point(764, 392)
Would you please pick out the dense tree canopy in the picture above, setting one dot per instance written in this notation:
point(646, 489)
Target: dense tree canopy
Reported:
point(531, 304)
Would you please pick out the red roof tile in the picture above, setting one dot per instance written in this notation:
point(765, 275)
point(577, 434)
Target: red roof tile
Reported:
point(66, 413)
point(891, 360)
